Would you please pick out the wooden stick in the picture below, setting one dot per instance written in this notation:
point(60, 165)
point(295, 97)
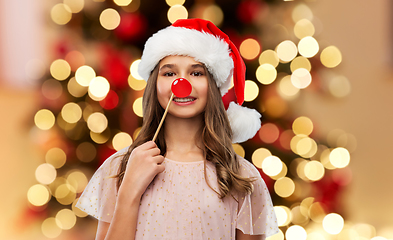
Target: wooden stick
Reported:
point(163, 118)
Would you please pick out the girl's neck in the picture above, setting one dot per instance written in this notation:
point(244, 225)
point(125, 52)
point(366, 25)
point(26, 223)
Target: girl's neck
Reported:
point(182, 140)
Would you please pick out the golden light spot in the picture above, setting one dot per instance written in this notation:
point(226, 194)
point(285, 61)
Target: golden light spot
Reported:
point(331, 57)
point(269, 133)
point(86, 152)
point(286, 51)
point(306, 147)
point(324, 158)
point(301, 78)
point(266, 73)
point(298, 217)
point(176, 12)
point(304, 28)
point(52, 89)
point(259, 155)
point(314, 170)
point(44, 119)
point(56, 157)
point(134, 69)
point(122, 3)
point(50, 229)
point(98, 88)
point(333, 223)
point(339, 86)
point(65, 194)
point(339, 157)
point(249, 49)
point(284, 187)
point(251, 91)
point(299, 165)
point(65, 219)
point(364, 230)
point(283, 215)
point(317, 212)
point(75, 89)
point(61, 14)
point(285, 139)
point(100, 138)
point(282, 174)
point(269, 56)
point(75, 5)
point(315, 236)
point(272, 165)
point(136, 132)
point(77, 211)
point(71, 112)
point(302, 125)
point(60, 69)
point(121, 140)
point(137, 107)
point(300, 62)
point(136, 84)
point(286, 88)
point(296, 232)
point(276, 107)
point(214, 14)
point(174, 2)
point(45, 173)
point(38, 195)
point(97, 122)
point(308, 47)
point(239, 150)
point(277, 236)
point(84, 75)
point(77, 180)
point(109, 19)
point(302, 11)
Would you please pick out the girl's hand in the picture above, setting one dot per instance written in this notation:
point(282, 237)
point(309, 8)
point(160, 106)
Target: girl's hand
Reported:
point(143, 165)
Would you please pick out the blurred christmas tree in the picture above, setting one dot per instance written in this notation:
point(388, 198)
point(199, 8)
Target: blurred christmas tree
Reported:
point(91, 103)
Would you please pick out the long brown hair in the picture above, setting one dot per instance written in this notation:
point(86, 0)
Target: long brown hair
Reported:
point(216, 135)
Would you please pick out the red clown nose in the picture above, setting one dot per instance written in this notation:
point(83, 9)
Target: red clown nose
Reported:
point(181, 87)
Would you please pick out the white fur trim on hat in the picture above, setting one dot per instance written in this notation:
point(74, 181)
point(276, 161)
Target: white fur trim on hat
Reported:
point(202, 46)
point(245, 122)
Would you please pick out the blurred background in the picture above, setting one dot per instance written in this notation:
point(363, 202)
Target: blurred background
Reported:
point(320, 72)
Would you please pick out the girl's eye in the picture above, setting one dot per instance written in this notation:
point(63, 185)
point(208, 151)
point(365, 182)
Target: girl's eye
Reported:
point(197, 74)
point(169, 74)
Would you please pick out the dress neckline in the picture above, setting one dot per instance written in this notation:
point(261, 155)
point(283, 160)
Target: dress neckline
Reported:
point(178, 162)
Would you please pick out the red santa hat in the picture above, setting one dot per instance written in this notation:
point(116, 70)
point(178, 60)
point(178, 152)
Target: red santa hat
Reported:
point(207, 44)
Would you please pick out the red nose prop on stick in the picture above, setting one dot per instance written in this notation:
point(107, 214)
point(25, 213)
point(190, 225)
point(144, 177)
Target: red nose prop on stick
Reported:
point(181, 88)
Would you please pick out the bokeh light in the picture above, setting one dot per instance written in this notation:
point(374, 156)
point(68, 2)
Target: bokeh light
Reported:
point(122, 3)
point(286, 51)
point(308, 47)
point(269, 133)
point(317, 212)
point(134, 69)
point(339, 157)
point(56, 157)
point(283, 215)
point(98, 88)
point(45, 173)
point(339, 86)
point(259, 155)
point(44, 119)
point(302, 11)
point(266, 73)
point(97, 122)
point(38, 195)
point(314, 170)
point(331, 57)
point(300, 62)
point(65, 219)
point(50, 229)
point(304, 28)
point(214, 14)
point(51, 89)
point(136, 84)
point(77, 211)
point(249, 49)
point(284, 187)
point(296, 232)
point(61, 14)
point(84, 75)
point(100, 138)
point(302, 125)
point(239, 150)
point(271, 165)
point(86, 152)
point(333, 223)
point(77, 180)
point(65, 194)
point(301, 78)
point(286, 88)
point(177, 12)
point(75, 5)
point(121, 140)
point(174, 2)
point(110, 19)
point(137, 107)
point(75, 89)
point(60, 69)
point(71, 112)
point(251, 91)
point(269, 56)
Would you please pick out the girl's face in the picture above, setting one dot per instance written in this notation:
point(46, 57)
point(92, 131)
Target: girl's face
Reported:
point(173, 67)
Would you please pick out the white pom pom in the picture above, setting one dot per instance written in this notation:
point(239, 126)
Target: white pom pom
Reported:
point(245, 122)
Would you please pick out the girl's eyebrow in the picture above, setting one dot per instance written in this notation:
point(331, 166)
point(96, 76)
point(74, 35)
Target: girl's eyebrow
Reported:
point(167, 66)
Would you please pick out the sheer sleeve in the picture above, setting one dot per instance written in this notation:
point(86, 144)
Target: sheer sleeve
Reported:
point(256, 214)
point(99, 197)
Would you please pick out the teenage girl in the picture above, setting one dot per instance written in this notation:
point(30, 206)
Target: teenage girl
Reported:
point(189, 183)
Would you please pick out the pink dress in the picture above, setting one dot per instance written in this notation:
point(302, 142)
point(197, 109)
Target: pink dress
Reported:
point(179, 204)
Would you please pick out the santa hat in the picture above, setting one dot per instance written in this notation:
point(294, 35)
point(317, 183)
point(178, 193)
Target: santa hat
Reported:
point(207, 44)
